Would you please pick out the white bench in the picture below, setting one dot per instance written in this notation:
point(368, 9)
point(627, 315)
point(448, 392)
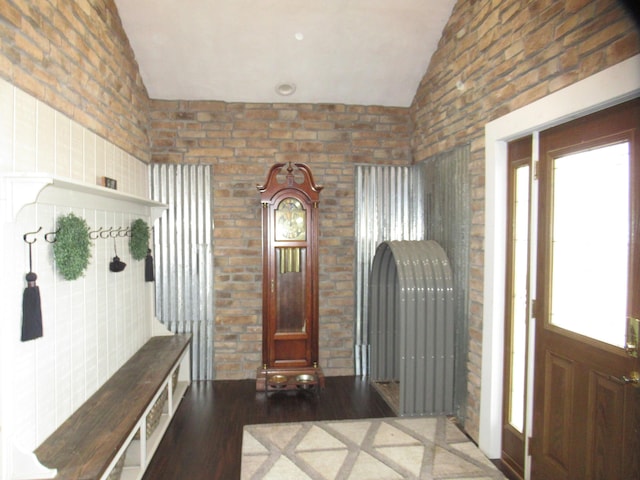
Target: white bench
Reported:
point(117, 430)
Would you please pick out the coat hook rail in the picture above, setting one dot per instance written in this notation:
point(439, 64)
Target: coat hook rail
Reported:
point(111, 232)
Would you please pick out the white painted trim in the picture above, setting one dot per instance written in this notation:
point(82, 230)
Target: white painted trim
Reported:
point(609, 87)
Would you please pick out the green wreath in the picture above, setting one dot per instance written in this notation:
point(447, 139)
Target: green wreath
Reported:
point(72, 247)
point(139, 241)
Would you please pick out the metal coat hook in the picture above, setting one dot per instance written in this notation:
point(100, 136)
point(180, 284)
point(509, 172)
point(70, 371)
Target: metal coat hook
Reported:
point(47, 236)
point(24, 237)
point(106, 233)
point(119, 232)
point(94, 234)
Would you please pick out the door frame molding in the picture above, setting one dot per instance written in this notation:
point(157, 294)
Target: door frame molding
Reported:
point(609, 87)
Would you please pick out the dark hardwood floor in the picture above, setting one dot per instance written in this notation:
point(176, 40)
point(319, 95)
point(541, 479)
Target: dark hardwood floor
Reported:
point(204, 439)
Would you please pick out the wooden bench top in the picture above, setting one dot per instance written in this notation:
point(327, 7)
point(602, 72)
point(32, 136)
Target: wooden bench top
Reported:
point(87, 442)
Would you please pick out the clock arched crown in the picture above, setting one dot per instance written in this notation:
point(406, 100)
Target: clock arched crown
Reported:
point(307, 185)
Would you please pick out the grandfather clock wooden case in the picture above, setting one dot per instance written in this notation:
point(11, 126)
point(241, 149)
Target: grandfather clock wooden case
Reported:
point(290, 280)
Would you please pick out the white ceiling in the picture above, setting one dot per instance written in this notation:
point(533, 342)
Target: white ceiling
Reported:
point(359, 52)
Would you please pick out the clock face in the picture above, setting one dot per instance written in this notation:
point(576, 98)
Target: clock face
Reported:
point(291, 220)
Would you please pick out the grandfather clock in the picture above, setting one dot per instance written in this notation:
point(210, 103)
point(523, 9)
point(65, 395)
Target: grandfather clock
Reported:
point(290, 280)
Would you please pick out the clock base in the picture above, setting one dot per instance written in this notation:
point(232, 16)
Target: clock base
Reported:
point(283, 379)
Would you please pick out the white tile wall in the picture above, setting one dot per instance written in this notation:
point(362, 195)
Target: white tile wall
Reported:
point(91, 325)
point(46, 139)
point(34, 138)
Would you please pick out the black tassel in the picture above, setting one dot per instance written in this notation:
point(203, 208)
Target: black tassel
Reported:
point(149, 274)
point(31, 310)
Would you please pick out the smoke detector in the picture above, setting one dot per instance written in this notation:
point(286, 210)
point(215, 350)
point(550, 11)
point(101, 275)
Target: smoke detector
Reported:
point(285, 89)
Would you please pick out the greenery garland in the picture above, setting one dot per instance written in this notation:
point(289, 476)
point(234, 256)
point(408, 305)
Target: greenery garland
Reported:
point(71, 248)
point(139, 241)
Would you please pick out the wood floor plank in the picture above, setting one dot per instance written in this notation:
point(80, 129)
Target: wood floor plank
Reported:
point(204, 439)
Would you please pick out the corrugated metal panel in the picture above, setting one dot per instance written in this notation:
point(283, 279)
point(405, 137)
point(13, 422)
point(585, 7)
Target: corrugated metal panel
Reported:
point(389, 206)
point(183, 256)
point(447, 193)
point(412, 326)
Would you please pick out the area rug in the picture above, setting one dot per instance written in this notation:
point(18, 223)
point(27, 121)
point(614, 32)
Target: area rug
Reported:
point(372, 449)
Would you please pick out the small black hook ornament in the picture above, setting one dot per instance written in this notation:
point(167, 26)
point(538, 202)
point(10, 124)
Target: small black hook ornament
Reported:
point(116, 264)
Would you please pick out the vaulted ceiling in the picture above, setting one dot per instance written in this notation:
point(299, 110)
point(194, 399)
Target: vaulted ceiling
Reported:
point(362, 52)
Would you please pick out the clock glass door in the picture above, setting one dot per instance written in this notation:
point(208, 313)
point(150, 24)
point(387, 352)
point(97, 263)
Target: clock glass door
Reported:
point(290, 291)
point(290, 340)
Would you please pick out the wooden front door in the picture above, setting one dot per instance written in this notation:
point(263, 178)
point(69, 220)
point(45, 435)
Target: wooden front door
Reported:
point(586, 422)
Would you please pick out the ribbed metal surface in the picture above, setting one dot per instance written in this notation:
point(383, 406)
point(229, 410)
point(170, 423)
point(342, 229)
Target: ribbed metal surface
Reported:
point(447, 193)
point(389, 206)
point(183, 258)
point(411, 315)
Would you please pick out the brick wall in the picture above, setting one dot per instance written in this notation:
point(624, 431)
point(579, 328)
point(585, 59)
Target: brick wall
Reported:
point(242, 141)
point(495, 57)
point(74, 56)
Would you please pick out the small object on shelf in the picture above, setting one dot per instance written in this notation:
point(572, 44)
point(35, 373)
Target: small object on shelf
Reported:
point(174, 378)
point(153, 418)
point(109, 183)
point(116, 473)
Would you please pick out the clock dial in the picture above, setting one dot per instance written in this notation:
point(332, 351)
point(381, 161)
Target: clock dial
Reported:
point(291, 220)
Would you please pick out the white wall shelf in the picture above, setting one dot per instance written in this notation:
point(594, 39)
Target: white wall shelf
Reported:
point(20, 190)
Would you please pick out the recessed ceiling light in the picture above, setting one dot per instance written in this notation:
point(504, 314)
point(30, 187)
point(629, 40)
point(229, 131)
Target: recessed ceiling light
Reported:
point(285, 89)
point(299, 36)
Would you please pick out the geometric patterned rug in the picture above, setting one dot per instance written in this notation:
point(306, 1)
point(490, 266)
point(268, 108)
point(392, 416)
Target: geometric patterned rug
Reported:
point(371, 449)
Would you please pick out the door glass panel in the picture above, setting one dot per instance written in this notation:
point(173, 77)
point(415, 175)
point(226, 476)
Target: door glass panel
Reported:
point(590, 242)
point(519, 298)
point(290, 288)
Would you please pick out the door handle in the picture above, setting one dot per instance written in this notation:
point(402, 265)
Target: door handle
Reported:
point(633, 332)
point(633, 379)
